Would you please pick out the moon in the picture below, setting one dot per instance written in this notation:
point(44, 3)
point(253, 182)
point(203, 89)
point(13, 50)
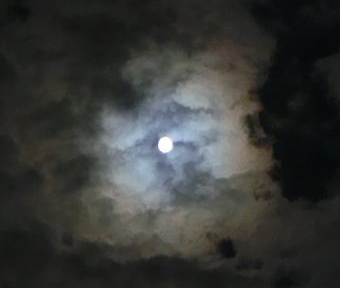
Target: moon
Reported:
point(165, 145)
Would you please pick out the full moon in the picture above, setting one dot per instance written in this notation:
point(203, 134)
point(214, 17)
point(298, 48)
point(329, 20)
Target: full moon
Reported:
point(165, 145)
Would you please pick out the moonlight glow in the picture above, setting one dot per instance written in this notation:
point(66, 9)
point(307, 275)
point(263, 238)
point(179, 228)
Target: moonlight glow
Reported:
point(165, 145)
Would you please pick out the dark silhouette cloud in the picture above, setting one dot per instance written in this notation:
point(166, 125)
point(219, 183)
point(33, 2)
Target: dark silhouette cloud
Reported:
point(286, 279)
point(226, 248)
point(299, 111)
point(28, 259)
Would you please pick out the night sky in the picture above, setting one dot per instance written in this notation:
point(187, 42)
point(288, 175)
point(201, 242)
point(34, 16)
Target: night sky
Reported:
point(249, 93)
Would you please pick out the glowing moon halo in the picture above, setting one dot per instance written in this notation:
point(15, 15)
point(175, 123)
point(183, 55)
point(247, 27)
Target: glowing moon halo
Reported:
point(165, 144)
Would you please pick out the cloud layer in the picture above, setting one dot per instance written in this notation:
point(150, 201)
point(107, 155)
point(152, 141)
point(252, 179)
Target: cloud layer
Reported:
point(247, 90)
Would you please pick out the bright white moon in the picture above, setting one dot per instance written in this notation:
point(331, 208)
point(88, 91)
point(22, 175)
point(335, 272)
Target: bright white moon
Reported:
point(165, 145)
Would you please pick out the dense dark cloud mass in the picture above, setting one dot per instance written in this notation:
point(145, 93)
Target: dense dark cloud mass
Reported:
point(247, 90)
point(302, 118)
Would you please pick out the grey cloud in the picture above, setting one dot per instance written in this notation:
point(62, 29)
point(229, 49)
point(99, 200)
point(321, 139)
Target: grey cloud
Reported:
point(23, 265)
point(73, 174)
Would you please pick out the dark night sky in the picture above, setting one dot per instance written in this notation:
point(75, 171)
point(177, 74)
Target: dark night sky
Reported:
point(249, 92)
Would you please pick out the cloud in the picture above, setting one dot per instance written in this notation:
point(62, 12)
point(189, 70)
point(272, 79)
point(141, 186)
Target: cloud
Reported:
point(299, 113)
point(200, 103)
point(23, 265)
point(86, 119)
point(247, 90)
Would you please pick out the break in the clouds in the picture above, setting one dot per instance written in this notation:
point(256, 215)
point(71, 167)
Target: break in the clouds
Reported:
point(247, 91)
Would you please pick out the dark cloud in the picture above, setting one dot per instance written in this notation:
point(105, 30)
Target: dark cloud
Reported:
point(29, 259)
point(226, 248)
point(74, 174)
point(246, 264)
point(23, 256)
point(299, 111)
point(286, 279)
point(59, 115)
point(18, 11)
point(26, 182)
point(8, 152)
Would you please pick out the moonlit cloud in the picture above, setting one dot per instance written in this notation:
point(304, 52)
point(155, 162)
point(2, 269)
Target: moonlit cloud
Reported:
point(200, 104)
